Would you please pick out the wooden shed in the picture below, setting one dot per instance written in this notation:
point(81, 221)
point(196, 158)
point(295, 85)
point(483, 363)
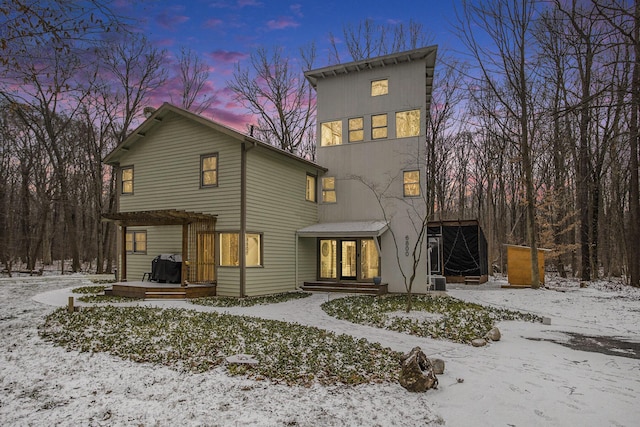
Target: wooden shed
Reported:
point(519, 265)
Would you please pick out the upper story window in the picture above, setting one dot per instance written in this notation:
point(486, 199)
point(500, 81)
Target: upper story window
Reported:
point(209, 170)
point(379, 87)
point(329, 190)
point(331, 133)
point(311, 188)
point(411, 183)
point(356, 129)
point(407, 123)
point(379, 126)
point(126, 176)
point(136, 242)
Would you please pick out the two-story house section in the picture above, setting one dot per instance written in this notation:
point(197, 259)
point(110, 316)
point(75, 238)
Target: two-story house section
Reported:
point(371, 117)
point(223, 202)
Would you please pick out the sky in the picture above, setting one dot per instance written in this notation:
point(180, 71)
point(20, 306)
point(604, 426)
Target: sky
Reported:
point(526, 379)
point(225, 32)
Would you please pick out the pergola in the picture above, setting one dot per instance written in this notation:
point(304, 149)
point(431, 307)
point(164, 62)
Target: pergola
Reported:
point(191, 222)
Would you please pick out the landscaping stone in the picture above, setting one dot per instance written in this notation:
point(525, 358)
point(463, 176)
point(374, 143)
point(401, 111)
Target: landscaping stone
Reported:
point(438, 366)
point(417, 373)
point(493, 334)
point(479, 342)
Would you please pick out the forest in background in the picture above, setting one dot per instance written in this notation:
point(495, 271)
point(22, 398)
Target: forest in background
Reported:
point(534, 133)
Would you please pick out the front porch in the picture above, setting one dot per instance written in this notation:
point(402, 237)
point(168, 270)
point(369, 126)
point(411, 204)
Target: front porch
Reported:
point(366, 288)
point(152, 290)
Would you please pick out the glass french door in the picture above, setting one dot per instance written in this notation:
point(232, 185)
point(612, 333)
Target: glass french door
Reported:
point(348, 259)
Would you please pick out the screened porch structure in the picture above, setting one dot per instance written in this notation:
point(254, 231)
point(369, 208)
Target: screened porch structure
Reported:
point(198, 240)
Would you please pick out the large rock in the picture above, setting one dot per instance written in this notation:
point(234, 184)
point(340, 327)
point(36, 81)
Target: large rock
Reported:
point(417, 373)
point(479, 342)
point(493, 334)
point(438, 366)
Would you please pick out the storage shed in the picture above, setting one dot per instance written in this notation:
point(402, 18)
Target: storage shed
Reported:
point(519, 265)
point(459, 251)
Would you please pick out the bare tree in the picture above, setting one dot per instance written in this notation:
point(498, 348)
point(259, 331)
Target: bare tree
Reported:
point(193, 76)
point(271, 87)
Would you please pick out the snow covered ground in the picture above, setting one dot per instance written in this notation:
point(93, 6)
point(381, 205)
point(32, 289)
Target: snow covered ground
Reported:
point(526, 379)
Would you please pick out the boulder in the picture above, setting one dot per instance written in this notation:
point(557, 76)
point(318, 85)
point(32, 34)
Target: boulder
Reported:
point(479, 342)
point(493, 334)
point(438, 366)
point(417, 373)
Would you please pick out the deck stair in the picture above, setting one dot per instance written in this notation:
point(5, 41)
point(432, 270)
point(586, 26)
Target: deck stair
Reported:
point(472, 280)
point(151, 290)
point(365, 288)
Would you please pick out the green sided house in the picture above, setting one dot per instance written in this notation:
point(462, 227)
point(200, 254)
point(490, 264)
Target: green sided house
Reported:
point(190, 187)
point(211, 208)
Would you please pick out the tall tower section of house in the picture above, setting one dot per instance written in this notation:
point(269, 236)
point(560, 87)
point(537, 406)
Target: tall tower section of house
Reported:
point(372, 118)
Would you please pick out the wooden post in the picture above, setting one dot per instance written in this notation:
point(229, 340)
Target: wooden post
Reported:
point(70, 307)
point(185, 253)
point(123, 254)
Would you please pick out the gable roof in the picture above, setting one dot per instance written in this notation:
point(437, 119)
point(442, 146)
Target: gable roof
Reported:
point(157, 117)
point(427, 54)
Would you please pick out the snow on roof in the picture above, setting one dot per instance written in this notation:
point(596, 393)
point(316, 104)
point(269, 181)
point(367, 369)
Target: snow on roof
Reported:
point(345, 229)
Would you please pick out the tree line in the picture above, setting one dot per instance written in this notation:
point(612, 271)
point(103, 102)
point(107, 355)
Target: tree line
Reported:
point(533, 127)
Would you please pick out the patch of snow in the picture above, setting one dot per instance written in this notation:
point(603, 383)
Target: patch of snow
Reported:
point(420, 316)
point(522, 380)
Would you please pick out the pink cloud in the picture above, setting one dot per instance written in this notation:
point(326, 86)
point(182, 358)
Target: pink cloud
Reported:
point(165, 42)
point(227, 56)
point(296, 9)
point(282, 23)
point(212, 23)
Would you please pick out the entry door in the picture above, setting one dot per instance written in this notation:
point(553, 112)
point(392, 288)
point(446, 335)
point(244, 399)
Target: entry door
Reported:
point(205, 260)
point(349, 260)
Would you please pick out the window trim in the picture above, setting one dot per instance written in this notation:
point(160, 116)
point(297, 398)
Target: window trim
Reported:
point(122, 181)
point(380, 80)
point(405, 184)
point(313, 199)
point(326, 189)
point(134, 250)
point(374, 128)
point(202, 171)
point(361, 129)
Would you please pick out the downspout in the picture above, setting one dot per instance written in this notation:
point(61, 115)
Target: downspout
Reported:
point(242, 238)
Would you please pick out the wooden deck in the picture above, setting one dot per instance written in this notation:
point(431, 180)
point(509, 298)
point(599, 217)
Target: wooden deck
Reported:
point(346, 287)
point(152, 290)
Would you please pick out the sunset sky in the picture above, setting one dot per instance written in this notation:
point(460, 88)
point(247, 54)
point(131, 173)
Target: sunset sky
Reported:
point(224, 32)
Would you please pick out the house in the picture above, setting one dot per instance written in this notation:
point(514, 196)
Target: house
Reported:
point(192, 187)
point(372, 117)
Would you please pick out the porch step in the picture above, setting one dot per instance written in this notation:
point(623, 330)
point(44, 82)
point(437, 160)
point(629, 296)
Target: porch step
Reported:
point(472, 280)
point(348, 288)
point(166, 294)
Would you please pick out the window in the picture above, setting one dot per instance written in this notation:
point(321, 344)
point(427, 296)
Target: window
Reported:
point(331, 133)
point(379, 126)
point(136, 242)
point(329, 190)
point(407, 123)
point(311, 188)
point(209, 170)
point(411, 183)
point(230, 249)
point(379, 87)
point(356, 129)
point(126, 175)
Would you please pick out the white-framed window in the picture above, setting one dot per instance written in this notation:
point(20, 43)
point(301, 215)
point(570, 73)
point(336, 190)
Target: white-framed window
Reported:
point(126, 178)
point(209, 170)
point(230, 250)
point(136, 242)
point(411, 183)
point(329, 189)
point(331, 133)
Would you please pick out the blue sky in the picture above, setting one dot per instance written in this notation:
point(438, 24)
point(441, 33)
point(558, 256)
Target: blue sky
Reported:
point(224, 32)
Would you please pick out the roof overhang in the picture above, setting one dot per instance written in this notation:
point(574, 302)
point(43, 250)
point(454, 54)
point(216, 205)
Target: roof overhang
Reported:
point(345, 229)
point(157, 217)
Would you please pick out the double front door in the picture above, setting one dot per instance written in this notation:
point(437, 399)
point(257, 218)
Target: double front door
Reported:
point(348, 259)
